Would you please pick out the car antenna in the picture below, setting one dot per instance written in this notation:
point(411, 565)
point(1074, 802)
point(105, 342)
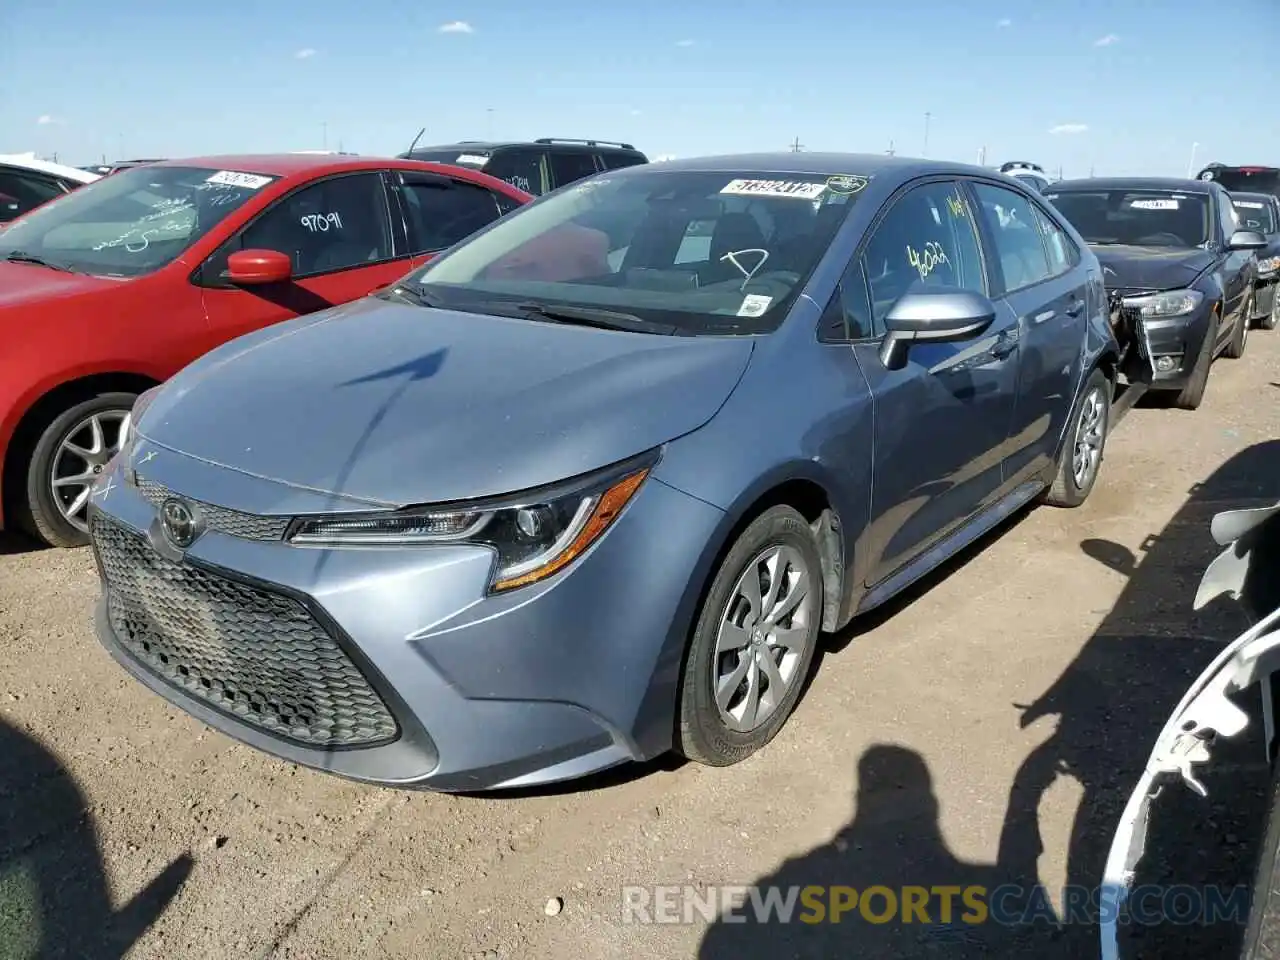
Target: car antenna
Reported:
point(416, 139)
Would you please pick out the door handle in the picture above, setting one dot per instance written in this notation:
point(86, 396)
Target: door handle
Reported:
point(1076, 308)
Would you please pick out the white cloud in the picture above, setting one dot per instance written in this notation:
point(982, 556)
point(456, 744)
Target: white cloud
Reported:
point(1069, 128)
point(45, 119)
point(684, 43)
point(1106, 41)
point(1006, 22)
point(635, 113)
point(304, 54)
point(456, 26)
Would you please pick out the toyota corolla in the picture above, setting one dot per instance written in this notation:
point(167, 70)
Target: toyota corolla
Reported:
point(588, 487)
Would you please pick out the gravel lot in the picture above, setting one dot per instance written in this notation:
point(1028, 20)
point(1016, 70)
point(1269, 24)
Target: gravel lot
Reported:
point(986, 728)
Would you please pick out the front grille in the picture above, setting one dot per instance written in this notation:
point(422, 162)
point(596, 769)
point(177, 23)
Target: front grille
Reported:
point(246, 526)
point(254, 654)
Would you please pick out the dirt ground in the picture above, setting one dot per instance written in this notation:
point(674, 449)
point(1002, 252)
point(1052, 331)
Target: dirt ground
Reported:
point(985, 729)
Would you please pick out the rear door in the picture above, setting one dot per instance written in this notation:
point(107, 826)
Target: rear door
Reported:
point(439, 211)
point(338, 233)
point(1033, 260)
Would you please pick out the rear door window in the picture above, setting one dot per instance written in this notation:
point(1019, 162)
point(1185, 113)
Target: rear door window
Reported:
point(440, 214)
point(569, 166)
point(615, 161)
point(1011, 222)
point(522, 168)
point(20, 192)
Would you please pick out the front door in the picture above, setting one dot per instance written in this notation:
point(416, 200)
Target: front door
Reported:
point(338, 233)
point(942, 421)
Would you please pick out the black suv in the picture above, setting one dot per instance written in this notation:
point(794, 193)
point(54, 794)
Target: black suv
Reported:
point(1246, 179)
point(535, 167)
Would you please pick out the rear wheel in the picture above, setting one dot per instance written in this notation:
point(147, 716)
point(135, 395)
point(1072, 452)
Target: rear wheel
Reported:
point(69, 456)
point(754, 641)
point(1240, 335)
point(1081, 456)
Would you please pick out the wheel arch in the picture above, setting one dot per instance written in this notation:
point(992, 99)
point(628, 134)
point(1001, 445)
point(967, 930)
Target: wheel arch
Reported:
point(41, 410)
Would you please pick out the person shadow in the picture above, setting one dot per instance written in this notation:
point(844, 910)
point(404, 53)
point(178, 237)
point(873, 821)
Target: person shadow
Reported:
point(55, 899)
point(1109, 704)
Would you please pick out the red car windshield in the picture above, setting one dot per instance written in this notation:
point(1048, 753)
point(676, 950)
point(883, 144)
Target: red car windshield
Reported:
point(132, 223)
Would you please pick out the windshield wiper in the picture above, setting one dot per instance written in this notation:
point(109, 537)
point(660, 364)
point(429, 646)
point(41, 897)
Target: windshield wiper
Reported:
point(592, 317)
point(21, 256)
point(410, 294)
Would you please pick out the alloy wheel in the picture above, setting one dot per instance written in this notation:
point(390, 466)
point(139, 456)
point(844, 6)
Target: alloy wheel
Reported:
point(81, 458)
point(763, 637)
point(1091, 431)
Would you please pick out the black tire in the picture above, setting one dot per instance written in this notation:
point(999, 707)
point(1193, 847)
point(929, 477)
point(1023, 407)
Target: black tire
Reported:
point(38, 514)
point(1240, 335)
point(1272, 319)
point(1066, 490)
point(702, 733)
point(1192, 393)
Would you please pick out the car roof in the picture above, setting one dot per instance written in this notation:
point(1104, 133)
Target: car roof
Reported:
point(29, 161)
point(817, 164)
point(486, 146)
point(284, 164)
point(1136, 183)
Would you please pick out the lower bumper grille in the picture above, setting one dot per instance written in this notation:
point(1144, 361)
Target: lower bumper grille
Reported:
point(254, 654)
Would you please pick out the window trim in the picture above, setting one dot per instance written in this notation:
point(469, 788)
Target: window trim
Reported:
point(957, 182)
point(544, 174)
point(1073, 253)
point(400, 180)
point(399, 250)
point(1003, 289)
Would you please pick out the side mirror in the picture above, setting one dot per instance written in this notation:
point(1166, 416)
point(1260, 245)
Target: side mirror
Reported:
point(933, 315)
point(1246, 240)
point(256, 267)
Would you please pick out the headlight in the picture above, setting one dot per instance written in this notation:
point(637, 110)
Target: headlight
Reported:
point(1269, 265)
point(1170, 303)
point(533, 536)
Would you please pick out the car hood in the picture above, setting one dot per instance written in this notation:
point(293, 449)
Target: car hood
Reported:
point(23, 284)
point(1150, 268)
point(395, 405)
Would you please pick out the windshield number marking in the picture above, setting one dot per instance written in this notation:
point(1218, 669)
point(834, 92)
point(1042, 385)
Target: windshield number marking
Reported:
point(1154, 205)
point(775, 188)
point(232, 178)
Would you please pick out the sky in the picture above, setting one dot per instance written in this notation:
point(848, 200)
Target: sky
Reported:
point(1112, 86)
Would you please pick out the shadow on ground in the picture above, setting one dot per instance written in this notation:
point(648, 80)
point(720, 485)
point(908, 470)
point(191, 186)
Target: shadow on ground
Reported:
point(1109, 706)
point(54, 896)
point(11, 543)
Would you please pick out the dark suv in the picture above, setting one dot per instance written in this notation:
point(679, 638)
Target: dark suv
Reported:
point(1246, 179)
point(534, 167)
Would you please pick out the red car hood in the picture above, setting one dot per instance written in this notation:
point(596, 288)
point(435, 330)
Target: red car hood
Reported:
point(26, 283)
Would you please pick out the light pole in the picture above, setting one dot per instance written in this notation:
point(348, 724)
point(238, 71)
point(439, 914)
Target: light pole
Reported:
point(1191, 167)
point(927, 117)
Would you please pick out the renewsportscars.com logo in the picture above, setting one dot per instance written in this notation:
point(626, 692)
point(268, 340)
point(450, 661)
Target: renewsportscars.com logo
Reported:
point(1008, 905)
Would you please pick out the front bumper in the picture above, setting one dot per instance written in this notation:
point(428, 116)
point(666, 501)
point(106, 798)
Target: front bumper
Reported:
point(1265, 297)
point(1244, 570)
point(391, 665)
point(1173, 346)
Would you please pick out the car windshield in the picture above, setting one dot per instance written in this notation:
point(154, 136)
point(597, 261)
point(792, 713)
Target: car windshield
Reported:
point(1144, 218)
point(698, 252)
point(1256, 213)
point(131, 223)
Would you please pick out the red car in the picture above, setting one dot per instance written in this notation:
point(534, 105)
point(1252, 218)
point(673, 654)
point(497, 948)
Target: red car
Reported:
point(111, 289)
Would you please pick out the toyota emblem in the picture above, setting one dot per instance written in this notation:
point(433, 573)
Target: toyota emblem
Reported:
point(178, 523)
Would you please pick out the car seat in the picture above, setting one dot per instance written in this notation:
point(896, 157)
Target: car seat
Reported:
point(734, 233)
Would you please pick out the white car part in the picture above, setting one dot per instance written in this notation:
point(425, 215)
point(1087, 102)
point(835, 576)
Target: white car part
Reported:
point(1203, 714)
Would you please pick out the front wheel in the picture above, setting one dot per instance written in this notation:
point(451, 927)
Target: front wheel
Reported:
point(1240, 335)
point(754, 641)
point(1192, 393)
point(1081, 456)
point(66, 461)
point(1272, 319)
